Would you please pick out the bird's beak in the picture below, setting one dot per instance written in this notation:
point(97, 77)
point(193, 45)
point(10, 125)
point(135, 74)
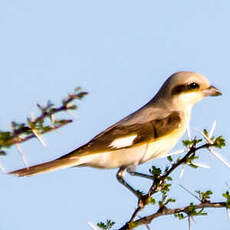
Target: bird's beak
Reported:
point(212, 91)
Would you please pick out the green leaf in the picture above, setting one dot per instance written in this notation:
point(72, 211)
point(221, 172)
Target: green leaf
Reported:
point(194, 142)
point(204, 196)
point(187, 143)
point(169, 178)
point(205, 132)
point(219, 142)
point(170, 200)
point(156, 172)
point(180, 216)
point(5, 136)
point(141, 193)
point(170, 158)
point(192, 211)
point(227, 196)
point(192, 165)
point(106, 225)
point(152, 201)
point(4, 139)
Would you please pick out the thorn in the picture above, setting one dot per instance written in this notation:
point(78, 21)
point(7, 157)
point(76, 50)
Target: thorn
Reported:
point(52, 118)
point(193, 219)
point(201, 165)
point(228, 212)
point(35, 131)
point(39, 136)
point(218, 156)
point(212, 129)
point(70, 113)
point(189, 192)
point(32, 116)
point(189, 222)
point(175, 153)
point(188, 132)
point(92, 226)
point(12, 126)
point(209, 141)
point(182, 172)
point(18, 147)
point(2, 168)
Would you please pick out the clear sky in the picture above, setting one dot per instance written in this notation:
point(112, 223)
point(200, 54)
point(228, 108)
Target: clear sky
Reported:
point(121, 52)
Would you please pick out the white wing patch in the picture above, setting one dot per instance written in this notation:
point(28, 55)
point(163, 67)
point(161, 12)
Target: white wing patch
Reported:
point(122, 142)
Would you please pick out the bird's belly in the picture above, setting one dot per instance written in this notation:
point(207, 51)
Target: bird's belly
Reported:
point(160, 147)
point(157, 149)
point(115, 159)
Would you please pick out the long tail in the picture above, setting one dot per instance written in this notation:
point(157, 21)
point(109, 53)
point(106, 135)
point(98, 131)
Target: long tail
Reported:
point(47, 167)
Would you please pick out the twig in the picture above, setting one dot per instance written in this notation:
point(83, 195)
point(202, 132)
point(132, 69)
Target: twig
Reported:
point(158, 184)
point(163, 212)
point(35, 127)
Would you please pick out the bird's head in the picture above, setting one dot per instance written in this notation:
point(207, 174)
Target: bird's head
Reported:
point(184, 89)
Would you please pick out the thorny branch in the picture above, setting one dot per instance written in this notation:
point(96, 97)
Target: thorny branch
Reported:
point(165, 211)
point(160, 185)
point(45, 122)
point(159, 182)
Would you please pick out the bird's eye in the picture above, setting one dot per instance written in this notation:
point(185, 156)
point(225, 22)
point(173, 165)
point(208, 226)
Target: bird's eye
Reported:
point(193, 85)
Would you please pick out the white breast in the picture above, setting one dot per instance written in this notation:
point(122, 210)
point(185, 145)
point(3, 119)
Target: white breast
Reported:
point(159, 148)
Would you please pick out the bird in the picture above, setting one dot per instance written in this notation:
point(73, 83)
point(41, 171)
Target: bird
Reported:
point(146, 134)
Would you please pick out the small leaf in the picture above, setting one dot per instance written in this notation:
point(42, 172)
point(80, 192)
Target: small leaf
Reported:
point(205, 131)
point(170, 158)
point(227, 196)
point(219, 142)
point(107, 225)
point(156, 172)
point(180, 216)
point(187, 143)
point(204, 196)
point(152, 201)
point(169, 178)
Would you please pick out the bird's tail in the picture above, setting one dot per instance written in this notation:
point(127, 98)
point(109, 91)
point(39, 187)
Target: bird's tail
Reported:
point(47, 167)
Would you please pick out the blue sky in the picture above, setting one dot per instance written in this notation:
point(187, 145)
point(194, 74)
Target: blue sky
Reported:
point(121, 52)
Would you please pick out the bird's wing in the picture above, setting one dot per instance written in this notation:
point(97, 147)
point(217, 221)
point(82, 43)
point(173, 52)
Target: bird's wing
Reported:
point(118, 137)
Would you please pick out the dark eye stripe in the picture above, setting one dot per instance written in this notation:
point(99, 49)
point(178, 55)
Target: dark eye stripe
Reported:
point(184, 88)
point(179, 89)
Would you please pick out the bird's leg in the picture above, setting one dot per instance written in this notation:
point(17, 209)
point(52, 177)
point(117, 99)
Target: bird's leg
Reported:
point(120, 177)
point(134, 173)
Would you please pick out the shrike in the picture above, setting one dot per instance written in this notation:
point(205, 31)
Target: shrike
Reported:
point(149, 133)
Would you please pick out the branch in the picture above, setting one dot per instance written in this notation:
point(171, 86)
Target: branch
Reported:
point(165, 211)
point(160, 185)
point(44, 123)
point(161, 179)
